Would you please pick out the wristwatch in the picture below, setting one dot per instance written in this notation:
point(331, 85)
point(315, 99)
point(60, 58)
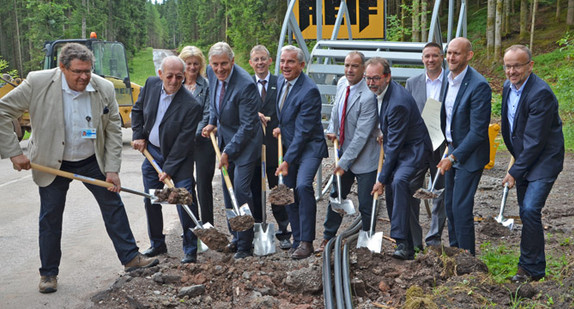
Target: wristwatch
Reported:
point(452, 159)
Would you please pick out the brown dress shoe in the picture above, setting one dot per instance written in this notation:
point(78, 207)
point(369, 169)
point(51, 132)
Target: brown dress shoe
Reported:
point(140, 261)
point(48, 284)
point(304, 250)
point(322, 246)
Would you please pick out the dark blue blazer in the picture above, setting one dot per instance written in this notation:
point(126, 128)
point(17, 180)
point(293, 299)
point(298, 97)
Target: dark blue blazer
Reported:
point(176, 130)
point(470, 121)
point(300, 121)
point(238, 126)
point(269, 109)
point(537, 141)
point(405, 137)
point(202, 96)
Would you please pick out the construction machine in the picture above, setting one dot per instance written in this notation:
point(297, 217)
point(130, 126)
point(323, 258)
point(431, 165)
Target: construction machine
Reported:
point(110, 63)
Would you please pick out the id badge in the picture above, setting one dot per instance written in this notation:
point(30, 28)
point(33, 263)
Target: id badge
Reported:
point(89, 133)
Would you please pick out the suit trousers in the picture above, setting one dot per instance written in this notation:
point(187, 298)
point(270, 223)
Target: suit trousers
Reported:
point(416, 231)
point(279, 212)
point(154, 213)
point(303, 213)
point(365, 183)
point(241, 176)
point(532, 196)
point(400, 203)
point(52, 202)
point(204, 156)
point(460, 187)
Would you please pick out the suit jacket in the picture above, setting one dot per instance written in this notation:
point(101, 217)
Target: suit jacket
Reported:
point(238, 126)
point(405, 137)
point(268, 109)
point(537, 141)
point(417, 86)
point(41, 95)
point(470, 121)
point(201, 95)
point(176, 130)
point(300, 121)
point(360, 150)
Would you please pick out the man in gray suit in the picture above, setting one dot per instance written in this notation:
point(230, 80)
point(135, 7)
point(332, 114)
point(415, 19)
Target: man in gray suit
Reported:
point(354, 123)
point(431, 84)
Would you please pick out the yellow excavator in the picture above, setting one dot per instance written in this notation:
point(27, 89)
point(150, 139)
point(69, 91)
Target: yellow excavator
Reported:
point(110, 63)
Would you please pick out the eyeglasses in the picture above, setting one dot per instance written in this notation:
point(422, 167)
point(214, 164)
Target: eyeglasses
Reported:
point(262, 59)
point(514, 66)
point(373, 78)
point(80, 72)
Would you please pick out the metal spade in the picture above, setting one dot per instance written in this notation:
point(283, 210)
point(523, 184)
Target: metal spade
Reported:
point(338, 204)
point(369, 239)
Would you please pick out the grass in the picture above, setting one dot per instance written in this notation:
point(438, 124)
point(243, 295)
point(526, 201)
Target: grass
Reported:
point(501, 260)
point(142, 66)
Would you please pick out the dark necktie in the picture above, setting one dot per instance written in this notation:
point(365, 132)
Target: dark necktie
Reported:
point(221, 95)
point(343, 116)
point(263, 91)
point(284, 96)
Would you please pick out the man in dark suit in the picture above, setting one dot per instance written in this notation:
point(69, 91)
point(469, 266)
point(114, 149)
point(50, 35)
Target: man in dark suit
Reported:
point(234, 103)
point(164, 120)
point(299, 111)
point(260, 60)
point(532, 132)
point(407, 148)
point(465, 116)
point(354, 123)
point(431, 84)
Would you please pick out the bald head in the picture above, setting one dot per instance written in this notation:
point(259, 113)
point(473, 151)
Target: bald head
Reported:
point(458, 55)
point(172, 73)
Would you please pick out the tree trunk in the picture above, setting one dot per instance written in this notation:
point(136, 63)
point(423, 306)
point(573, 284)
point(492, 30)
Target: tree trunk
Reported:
point(506, 29)
point(558, 10)
point(523, 18)
point(18, 49)
point(570, 14)
point(416, 33)
point(84, 19)
point(490, 28)
point(424, 21)
point(498, 30)
point(534, 9)
point(403, 19)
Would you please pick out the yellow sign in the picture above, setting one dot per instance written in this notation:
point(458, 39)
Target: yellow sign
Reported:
point(367, 18)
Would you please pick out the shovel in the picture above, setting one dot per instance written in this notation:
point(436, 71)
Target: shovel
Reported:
point(369, 239)
point(263, 238)
point(207, 234)
point(240, 218)
point(509, 223)
point(93, 181)
point(340, 205)
point(281, 195)
point(430, 193)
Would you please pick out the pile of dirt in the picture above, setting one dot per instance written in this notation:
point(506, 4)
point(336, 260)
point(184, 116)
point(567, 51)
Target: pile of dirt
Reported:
point(439, 277)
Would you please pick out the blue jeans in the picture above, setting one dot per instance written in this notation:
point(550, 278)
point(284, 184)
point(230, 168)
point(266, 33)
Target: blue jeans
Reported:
point(532, 196)
point(153, 211)
point(52, 202)
point(365, 184)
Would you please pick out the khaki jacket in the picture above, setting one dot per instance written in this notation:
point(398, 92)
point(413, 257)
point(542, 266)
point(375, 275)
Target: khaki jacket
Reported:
point(41, 95)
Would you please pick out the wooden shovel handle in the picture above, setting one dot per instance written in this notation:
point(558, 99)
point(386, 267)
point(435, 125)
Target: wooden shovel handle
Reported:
point(69, 175)
point(510, 163)
point(218, 154)
point(279, 149)
point(167, 181)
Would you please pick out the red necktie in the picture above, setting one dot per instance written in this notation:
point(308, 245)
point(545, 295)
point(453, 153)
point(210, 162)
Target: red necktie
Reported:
point(343, 116)
point(263, 91)
point(221, 95)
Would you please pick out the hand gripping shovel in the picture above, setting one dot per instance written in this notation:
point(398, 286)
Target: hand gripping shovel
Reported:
point(369, 239)
point(240, 218)
point(206, 233)
point(264, 234)
point(340, 205)
point(281, 195)
point(93, 181)
point(509, 223)
point(430, 193)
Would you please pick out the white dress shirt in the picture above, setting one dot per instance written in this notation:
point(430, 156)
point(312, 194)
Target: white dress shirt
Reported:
point(433, 86)
point(260, 85)
point(164, 102)
point(452, 92)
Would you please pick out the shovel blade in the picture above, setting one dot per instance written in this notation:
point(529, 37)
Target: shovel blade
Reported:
point(509, 223)
point(155, 200)
point(373, 243)
point(244, 210)
point(263, 239)
point(230, 213)
point(344, 207)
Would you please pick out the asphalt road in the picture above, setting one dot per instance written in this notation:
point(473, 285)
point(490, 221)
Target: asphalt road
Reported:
point(89, 262)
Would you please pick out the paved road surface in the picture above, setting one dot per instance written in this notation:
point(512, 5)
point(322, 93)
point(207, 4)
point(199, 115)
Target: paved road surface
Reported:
point(89, 262)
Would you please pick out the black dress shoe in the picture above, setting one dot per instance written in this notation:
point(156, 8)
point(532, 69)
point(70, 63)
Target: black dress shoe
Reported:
point(285, 244)
point(522, 276)
point(402, 252)
point(304, 251)
point(230, 248)
point(154, 251)
point(241, 255)
point(189, 258)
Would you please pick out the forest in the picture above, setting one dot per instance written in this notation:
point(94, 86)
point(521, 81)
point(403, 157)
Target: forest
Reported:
point(26, 24)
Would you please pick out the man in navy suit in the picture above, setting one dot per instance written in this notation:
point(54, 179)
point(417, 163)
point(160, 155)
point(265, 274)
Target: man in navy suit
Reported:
point(164, 120)
point(234, 103)
point(260, 60)
point(465, 116)
point(299, 111)
point(407, 148)
point(532, 132)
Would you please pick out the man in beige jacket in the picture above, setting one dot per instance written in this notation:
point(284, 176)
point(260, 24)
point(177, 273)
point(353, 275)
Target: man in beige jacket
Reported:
point(76, 126)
